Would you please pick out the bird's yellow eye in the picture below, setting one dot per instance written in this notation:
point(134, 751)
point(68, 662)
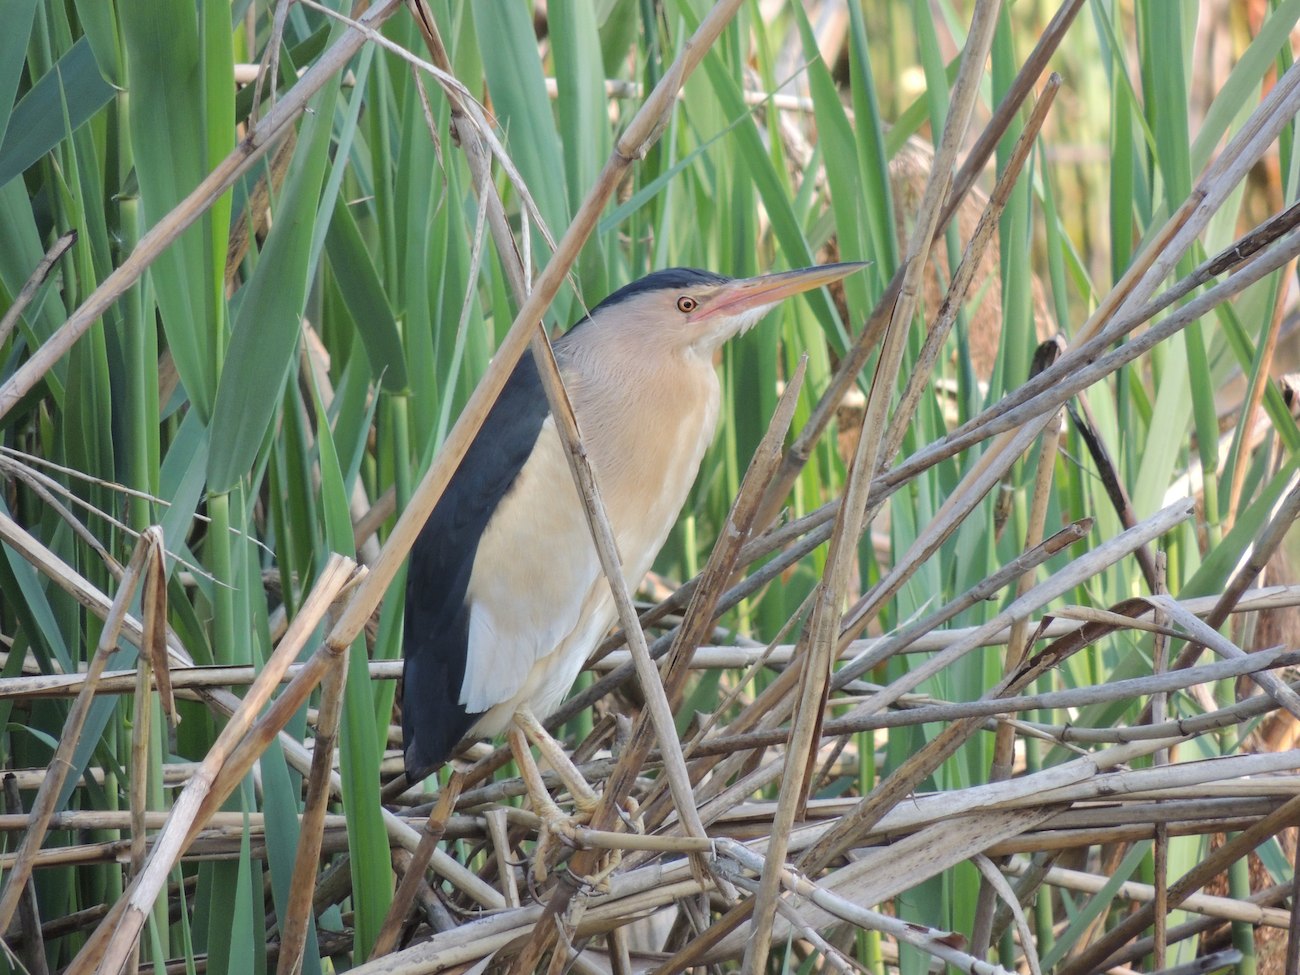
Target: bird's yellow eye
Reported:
point(686, 304)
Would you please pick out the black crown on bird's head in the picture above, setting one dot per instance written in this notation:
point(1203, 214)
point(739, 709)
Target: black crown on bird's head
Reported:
point(670, 278)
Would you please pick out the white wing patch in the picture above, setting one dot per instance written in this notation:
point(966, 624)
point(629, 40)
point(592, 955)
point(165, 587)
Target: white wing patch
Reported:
point(535, 565)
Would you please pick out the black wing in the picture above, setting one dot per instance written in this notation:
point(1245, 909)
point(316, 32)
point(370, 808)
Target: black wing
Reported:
point(436, 633)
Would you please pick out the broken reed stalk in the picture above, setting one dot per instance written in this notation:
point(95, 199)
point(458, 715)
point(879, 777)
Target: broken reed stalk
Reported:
point(296, 923)
point(33, 284)
point(404, 897)
point(61, 764)
point(110, 945)
point(152, 658)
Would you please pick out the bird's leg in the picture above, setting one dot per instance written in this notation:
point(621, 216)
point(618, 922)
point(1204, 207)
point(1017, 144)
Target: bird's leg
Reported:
point(556, 826)
point(554, 823)
point(585, 798)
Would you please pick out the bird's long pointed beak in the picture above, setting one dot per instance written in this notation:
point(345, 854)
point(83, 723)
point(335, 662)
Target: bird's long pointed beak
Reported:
point(740, 296)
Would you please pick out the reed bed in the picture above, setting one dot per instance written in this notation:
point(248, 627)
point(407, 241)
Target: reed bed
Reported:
point(976, 645)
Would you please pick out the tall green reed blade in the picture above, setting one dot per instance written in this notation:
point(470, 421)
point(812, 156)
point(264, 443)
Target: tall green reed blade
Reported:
point(873, 161)
point(164, 75)
point(264, 338)
point(582, 111)
point(513, 70)
point(13, 52)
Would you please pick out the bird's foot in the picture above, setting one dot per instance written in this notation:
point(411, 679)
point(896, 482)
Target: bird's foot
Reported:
point(558, 829)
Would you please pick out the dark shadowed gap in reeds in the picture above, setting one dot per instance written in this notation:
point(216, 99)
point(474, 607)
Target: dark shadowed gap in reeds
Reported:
point(1010, 641)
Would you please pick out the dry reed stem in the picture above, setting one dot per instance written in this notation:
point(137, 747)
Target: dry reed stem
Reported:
point(404, 897)
point(161, 235)
point(43, 806)
point(1019, 90)
point(913, 770)
point(991, 875)
point(933, 713)
point(739, 527)
point(499, 836)
point(469, 138)
point(29, 918)
point(818, 642)
point(1198, 926)
point(907, 638)
point(1123, 819)
point(1227, 908)
point(455, 88)
point(1075, 573)
point(1161, 255)
point(709, 656)
point(152, 659)
point(940, 944)
point(142, 719)
point(66, 578)
point(1159, 711)
point(846, 373)
point(111, 944)
point(1088, 366)
point(1293, 939)
point(1250, 412)
point(972, 260)
point(1001, 766)
point(1096, 954)
point(153, 608)
point(1267, 543)
point(1204, 634)
point(33, 284)
point(296, 923)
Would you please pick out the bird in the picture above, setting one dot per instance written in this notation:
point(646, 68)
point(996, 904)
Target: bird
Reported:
point(505, 596)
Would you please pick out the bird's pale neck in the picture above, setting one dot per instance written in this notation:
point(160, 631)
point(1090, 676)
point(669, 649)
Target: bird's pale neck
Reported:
point(642, 416)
